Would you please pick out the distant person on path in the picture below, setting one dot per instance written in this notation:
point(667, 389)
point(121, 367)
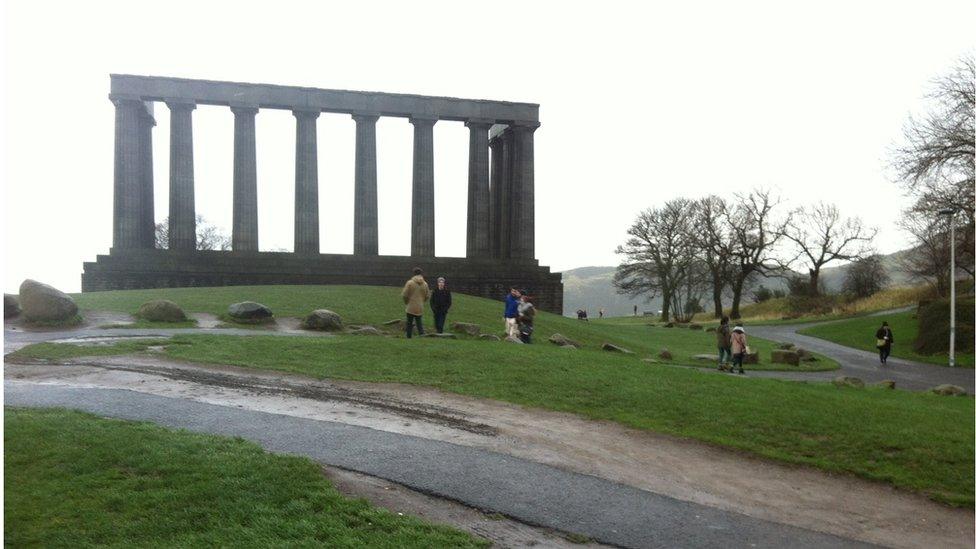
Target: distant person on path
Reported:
point(635, 310)
point(601, 312)
point(440, 303)
point(739, 346)
point(885, 339)
point(511, 313)
point(723, 336)
point(415, 293)
point(526, 318)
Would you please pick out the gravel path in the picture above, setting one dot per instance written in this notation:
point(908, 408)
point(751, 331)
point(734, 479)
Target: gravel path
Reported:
point(527, 491)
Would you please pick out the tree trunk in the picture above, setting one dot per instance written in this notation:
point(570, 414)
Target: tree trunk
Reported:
point(666, 307)
point(736, 298)
point(717, 298)
point(815, 282)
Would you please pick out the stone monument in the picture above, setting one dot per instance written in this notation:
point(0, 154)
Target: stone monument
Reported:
point(500, 248)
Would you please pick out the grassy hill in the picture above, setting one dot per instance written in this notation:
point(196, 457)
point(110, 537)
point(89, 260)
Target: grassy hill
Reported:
point(916, 441)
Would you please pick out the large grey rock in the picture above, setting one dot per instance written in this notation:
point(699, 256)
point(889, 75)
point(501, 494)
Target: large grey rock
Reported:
point(563, 341)
point(615, 349)
point(436, 335)
point(886, 383)
point(161, 310)
point(489, 337)
point(322, 319)
point(466, 328)
point(786, 346)
point(948, 390)
point(249, 310)
point(665, 355)
point(396, 323)
point(511, 339)
point(11, 307)
point(848, 381)
point(782, 356)
point(42, 303)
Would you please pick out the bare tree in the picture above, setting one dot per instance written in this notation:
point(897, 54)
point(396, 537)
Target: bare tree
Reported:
point(865, 276)
point(757, 232)
point(928, 261)
point(209, 237)
point(713, 237)
point(937, 164)
point(822, 236)
point(658, 254)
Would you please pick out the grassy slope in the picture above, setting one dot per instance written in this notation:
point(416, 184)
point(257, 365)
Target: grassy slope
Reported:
point(375, 304)
point(773, 310)
point(74, 480)
point(859, 333)
point(916, 441)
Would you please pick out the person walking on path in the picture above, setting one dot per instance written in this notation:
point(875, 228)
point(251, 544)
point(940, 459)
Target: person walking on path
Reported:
point(739, 348)
point(511, 313)
point(885, 339)
point(723, 337)
point(526, 318)
point(440, 302)
point(415, 294)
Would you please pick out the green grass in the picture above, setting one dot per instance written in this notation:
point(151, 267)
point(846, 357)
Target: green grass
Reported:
point(74, 480)
point(376, 304)
point(859, 333)
point(915, 441)
point(140, 323)
point(63, 351)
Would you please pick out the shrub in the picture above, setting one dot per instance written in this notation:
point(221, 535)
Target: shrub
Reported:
point(933, 326)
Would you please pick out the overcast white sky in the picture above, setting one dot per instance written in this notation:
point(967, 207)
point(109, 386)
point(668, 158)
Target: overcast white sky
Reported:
point(639, 104)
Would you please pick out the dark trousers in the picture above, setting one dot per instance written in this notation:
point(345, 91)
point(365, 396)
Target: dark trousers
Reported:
point(737, 361)
point(439, 318)
point(883, 352)
point(420, 324)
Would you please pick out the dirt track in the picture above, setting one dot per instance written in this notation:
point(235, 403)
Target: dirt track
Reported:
point(679, 468)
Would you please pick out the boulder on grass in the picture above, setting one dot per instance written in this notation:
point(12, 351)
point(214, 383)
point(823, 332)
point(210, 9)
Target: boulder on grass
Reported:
point(42, 303)
point(366, 331)
point(396, 323)
point(665, 355)
point(615, 349)
point(651, 360)
point(694, 326)
point(710, 329)
point(948, 390)
point(563, 341)
point(322, 319)
point(786, 346)
point(781, 356)
point(511, 339)
point(11, 307)
point(848, 381)
point(249, 311)
point(886, 383)
point(161, 310)
point(706, 358)
point(669, 325)
point(466, 328)
point(751, 358)
point(489, 337)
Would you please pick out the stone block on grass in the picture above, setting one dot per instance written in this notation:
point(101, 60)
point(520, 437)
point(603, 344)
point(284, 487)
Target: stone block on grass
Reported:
point(665, 355)
point(365, 331)
point(947, 389)
point(782, 356)
point(161, 310)
point(250, 312)
point(435, 335)
point(322, 319)
point(615, 349)
point(489, 337)
point(848, 381)
point(466, 328)
point(563, 341)
point(751, 358)
point(42, 303)
point(886, 384)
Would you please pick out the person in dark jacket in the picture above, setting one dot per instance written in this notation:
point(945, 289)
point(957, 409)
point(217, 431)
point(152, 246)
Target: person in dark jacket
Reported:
point(885, 339)
point(440, 302)
point(526, 318)
point(723, 337)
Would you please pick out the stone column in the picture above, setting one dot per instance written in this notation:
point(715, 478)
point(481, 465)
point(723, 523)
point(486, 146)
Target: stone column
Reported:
point(505, 202)
point(182, 212)
point(422, 217)
point(366, 219)
point(523, 190)
point(306, 182)
point(127, 226)
point(497, 177)
point(148, 200)
point(245, 224)
point(479, 194)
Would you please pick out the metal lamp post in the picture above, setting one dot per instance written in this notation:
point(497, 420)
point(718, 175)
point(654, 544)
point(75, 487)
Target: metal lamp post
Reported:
point(951, 212)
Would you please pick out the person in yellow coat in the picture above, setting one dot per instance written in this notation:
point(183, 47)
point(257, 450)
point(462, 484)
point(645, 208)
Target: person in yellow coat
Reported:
point(415, 294)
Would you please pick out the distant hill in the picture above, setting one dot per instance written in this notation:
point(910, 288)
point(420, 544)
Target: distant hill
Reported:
point(591, 288)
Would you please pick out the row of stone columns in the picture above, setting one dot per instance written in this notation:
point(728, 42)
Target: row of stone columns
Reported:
point(501, 185)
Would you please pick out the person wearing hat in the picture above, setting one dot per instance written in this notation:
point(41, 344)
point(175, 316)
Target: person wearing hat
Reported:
point(885, 339)
point(739, 347)
point(440, 302)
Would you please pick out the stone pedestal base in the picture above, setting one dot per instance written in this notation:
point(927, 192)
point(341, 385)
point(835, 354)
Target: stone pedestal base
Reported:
point(140, 268)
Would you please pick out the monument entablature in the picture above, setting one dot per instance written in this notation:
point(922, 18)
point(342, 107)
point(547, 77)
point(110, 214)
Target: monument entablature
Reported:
point(500, 245)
